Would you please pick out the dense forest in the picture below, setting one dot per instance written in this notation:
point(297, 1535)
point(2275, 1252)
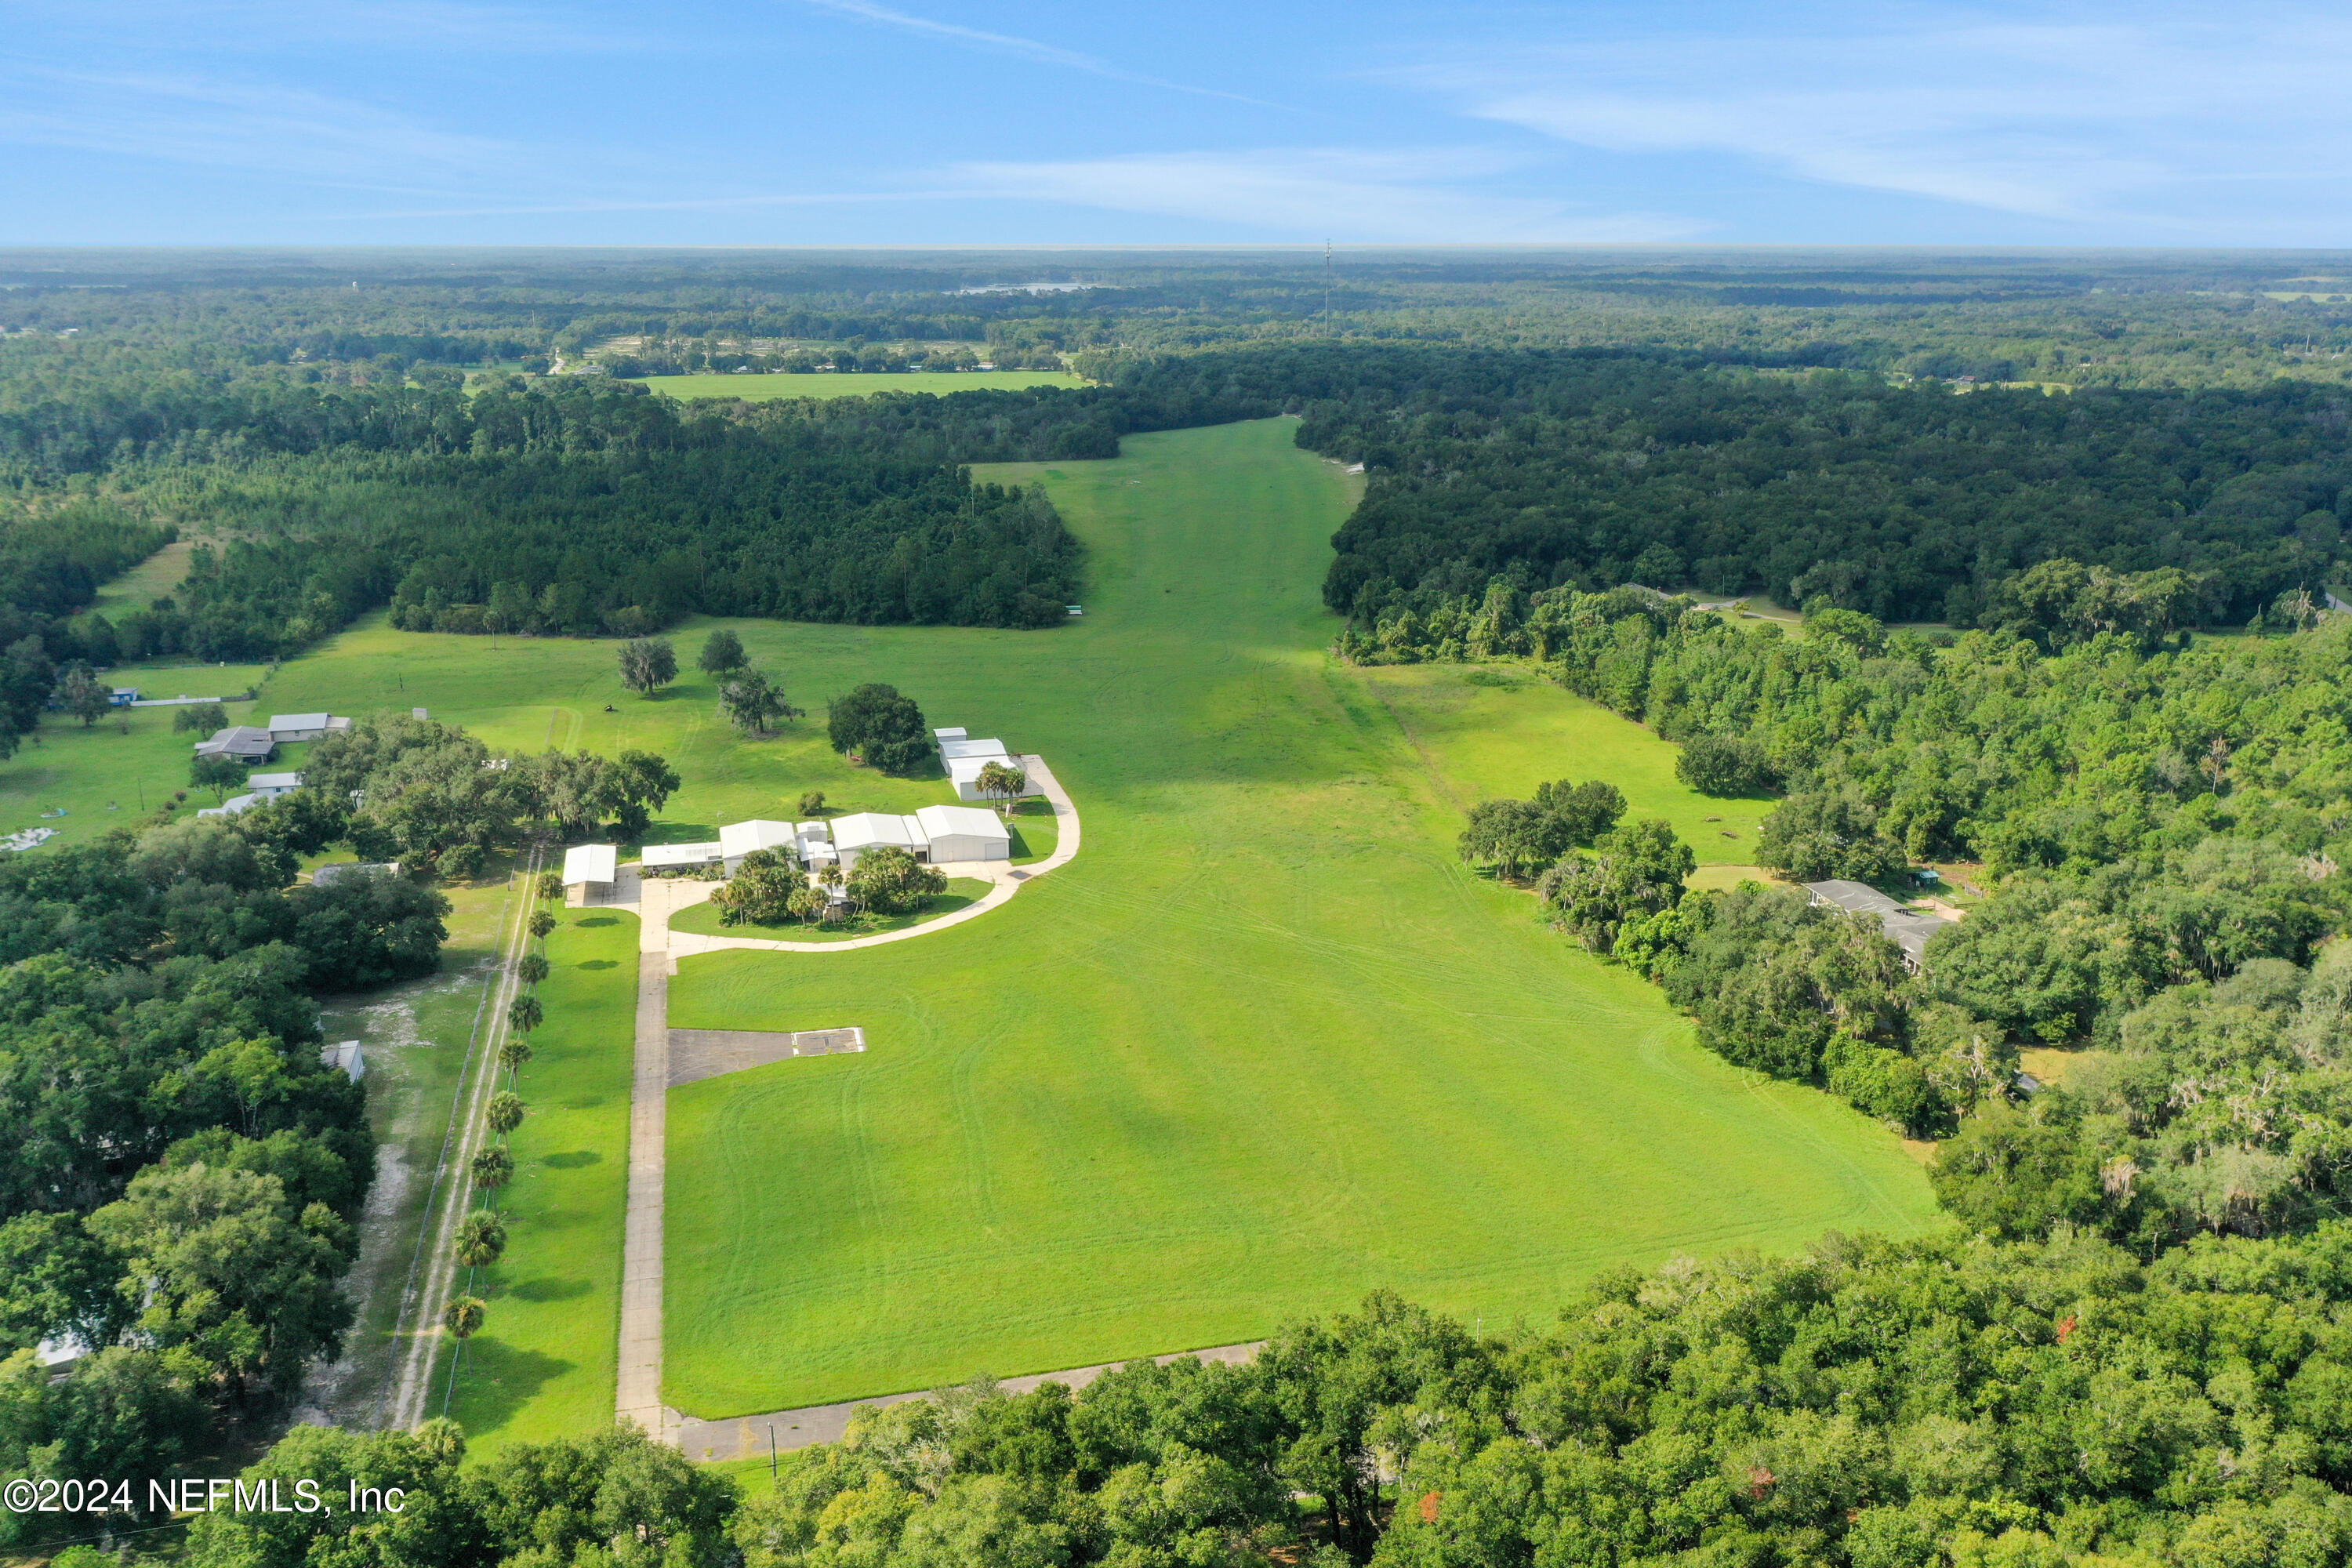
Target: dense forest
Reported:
point(1910, 502)
point(177, 1206)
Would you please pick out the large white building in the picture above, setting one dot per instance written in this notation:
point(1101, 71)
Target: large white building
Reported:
point(737, 839)
point(266, 786)
point(964, 758)
point(938, 835)
point(964, 833)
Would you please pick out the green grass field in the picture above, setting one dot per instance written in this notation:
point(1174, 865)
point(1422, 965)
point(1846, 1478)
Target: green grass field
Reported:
point(963, 892)
point(1484, 731)
point(544, 1364)
point(1263, 1046)
point(857, 384)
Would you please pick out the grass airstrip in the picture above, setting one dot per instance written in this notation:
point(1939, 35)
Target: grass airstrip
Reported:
point(1264, 1045)
point(856, 384)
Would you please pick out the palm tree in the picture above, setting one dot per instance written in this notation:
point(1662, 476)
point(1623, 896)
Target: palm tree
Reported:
point(481, 1239)
point(492, 1169)
point(513, 1054)
point(1004, 781)
point(542, 922)
point(525, 1014)
point(532, 969)
point(463, 1316)
point(506, 1113)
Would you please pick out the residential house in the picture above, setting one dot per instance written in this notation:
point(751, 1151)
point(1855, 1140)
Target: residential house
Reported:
point(1907, 928)
point(664, 859)
point(246, 743)
point(854, 834)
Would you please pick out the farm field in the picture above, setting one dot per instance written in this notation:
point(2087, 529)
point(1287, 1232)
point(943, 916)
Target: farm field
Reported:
point(857, 384)
point(544, 1364)
point(1264, 1045)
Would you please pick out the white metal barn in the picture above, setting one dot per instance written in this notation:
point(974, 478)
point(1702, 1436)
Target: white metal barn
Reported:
point(288, 727)
point(964, 833)
point(737, 839)
point(964, 774)
point(863, 830)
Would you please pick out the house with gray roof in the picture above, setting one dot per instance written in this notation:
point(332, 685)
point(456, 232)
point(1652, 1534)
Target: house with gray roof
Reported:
point(1907, 928)
point(246, 743)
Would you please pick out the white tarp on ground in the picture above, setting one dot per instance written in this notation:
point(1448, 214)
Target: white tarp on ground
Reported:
point(589, 863)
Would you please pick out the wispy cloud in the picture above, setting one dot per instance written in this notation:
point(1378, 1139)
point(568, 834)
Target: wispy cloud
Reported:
point(2100, 114)
point(1283, 192)
point(1294, 193)
point(244, 27)
point(1027, 49)
point(190, 119)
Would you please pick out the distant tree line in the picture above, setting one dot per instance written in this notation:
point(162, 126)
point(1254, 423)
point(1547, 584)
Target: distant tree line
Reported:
point(1591, 470)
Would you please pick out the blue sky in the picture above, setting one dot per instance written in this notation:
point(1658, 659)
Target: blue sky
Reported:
point(851, 122)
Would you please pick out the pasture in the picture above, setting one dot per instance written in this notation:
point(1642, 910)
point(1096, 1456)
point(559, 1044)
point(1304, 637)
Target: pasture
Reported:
point(856, 384)
point(1264, 1045)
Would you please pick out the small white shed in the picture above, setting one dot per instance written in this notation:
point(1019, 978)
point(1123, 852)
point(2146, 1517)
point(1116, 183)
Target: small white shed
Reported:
point(594, 863)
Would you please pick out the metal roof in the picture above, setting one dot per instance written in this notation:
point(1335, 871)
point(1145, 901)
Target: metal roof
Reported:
point(962, 821)
point(589, 863)
point(742, 838)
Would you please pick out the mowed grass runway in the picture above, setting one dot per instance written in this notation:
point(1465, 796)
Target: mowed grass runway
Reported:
point(1263, 1045)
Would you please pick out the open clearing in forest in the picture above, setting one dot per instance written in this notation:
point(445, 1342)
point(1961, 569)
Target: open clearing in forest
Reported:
point(856, 384)
point(1263, 1045)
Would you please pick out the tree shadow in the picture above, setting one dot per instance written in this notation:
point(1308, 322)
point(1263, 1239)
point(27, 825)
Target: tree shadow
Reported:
point(571, 1159)
point(548, 1289)
point(496, 1380)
